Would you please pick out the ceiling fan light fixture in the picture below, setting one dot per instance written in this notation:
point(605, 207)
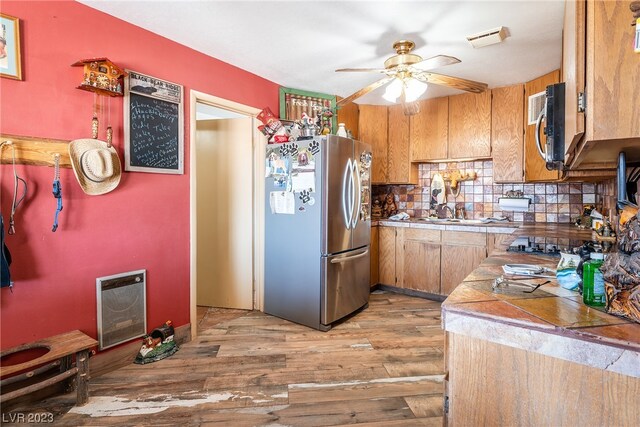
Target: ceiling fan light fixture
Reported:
point(414, 89)
point(393, 91)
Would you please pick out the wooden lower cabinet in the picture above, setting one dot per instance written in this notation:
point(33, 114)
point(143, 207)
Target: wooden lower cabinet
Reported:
point(373, 250)
point(430, 261)
point(498, 242)
point(461, 253)
point(419, 260)
point(457, 263)
point(421, 266)
point(387, 255)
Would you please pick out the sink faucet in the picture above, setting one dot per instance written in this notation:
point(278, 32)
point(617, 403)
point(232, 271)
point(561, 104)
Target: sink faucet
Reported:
point(444, 211)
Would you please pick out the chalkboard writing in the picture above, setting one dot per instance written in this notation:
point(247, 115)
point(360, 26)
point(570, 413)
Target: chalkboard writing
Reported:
point(154, 138)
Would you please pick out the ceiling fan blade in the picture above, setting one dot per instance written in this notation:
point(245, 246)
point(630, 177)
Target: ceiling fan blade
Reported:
point(454, 82)
point(361, 70)
point(435, 62)
point(373, 86)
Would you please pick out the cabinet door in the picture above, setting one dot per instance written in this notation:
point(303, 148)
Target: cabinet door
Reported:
point(374, 251)
point(498, 242)
point(387, 255)
point(613, 76)
point(373, 130)
point(507, 133)
point(429, 130)
point(470, 125)
point(534, 166)
point(421, 266)
point(462, 252)
point(612, 88)
point(457, 263)
point(573, 62)
point(399, 167)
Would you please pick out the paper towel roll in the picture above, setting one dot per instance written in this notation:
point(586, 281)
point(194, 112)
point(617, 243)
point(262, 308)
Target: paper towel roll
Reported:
point(514, 204)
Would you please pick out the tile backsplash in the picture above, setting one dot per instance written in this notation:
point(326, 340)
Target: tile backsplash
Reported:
point(550, 202)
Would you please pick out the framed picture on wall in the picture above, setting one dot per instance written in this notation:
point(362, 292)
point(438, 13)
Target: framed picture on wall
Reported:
point(10, 65)
point(294, 102)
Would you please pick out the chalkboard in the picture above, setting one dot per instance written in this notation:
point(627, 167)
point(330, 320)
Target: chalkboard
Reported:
point(153, 125)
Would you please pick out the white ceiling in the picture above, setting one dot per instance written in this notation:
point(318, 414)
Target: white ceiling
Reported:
point(299, 44)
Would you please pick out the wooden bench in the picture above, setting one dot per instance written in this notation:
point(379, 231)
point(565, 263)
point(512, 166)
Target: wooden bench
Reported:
point(60, 351)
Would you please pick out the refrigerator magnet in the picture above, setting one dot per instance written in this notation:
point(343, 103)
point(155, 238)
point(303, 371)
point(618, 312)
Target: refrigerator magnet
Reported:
point(314, 147)
point(304, 196)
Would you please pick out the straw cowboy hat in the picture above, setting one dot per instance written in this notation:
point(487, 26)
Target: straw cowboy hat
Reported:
point(96, 166)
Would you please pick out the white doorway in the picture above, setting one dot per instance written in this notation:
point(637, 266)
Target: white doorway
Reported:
point(227, 208)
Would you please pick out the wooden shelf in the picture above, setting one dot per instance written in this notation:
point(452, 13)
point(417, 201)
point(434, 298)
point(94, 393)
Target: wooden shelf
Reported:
point(34, 151)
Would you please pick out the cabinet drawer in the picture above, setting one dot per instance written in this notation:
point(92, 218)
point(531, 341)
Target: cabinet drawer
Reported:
point(422, 235)
point(466, 238)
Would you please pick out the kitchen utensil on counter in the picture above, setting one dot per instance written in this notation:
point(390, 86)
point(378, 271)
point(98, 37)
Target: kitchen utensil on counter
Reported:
point(501, 283)
point(528, 270)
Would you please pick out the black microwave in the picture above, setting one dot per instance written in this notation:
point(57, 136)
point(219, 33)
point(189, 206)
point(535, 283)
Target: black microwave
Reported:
point(553, 114)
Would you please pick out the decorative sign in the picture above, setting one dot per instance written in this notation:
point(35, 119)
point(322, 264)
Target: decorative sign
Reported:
point(154, 125)
point(294, 102)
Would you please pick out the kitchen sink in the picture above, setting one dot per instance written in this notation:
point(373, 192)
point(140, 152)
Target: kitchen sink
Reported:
point(453, 221)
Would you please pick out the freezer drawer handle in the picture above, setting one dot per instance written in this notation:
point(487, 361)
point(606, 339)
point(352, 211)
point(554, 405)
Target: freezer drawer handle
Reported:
point(349, 258)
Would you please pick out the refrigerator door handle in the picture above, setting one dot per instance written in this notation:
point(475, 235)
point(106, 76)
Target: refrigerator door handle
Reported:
point(349, 258)
point(346, 195)
point(357, 201)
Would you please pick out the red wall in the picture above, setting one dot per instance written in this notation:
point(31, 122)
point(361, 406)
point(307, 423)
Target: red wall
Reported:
point(144, 223)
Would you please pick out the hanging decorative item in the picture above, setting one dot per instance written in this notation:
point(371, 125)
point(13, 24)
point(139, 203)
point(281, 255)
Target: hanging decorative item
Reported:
point(57, 191)
point(101, 76)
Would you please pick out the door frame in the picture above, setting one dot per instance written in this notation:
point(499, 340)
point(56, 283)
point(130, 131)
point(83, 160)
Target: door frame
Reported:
point(259, 143)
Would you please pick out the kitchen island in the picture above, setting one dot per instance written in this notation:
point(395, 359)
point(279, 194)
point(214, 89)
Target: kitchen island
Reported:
point(540, 358)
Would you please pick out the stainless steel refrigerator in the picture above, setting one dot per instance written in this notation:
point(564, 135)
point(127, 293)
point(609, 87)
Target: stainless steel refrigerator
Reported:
point(317, 229)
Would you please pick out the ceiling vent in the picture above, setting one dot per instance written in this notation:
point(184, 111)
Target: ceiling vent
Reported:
point(486, 38)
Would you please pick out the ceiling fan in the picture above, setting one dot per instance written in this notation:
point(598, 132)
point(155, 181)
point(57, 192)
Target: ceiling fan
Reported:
point(408, 76)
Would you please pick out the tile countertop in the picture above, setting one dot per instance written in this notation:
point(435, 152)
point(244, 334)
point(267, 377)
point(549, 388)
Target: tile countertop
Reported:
point(537, 229)
point(492, 227)
point(551, 321)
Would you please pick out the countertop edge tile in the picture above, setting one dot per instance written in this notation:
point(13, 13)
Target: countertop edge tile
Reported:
point(598, 355)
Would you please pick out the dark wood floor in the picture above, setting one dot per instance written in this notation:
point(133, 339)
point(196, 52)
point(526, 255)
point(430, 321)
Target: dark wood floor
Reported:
point(381, 367)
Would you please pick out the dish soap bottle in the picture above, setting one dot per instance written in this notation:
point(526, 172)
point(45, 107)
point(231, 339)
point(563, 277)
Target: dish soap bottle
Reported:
point(593, 292)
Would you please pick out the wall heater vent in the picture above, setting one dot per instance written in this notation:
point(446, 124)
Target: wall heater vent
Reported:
point(122, 307)
point(536, 105)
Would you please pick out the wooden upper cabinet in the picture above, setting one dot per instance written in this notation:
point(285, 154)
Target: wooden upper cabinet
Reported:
point(349, 115)
point(573, 61)
point(612, 87)
point(399, 167)
point(429, 130)
point(373, 130)
point(534, 165)
point(470, 126)
point(507, 133)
